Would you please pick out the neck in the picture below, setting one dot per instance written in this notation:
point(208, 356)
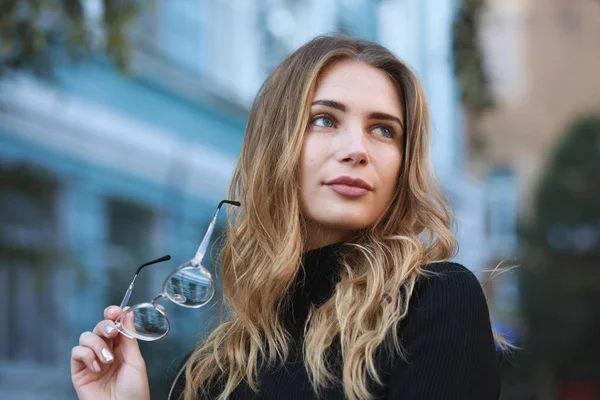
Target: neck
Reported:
point(318, 236)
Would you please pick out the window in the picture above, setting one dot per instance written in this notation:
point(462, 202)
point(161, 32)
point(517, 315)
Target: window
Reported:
point(130, 239)
point(180, 39)
point(503, 29)
point(172, 31)
point(201, 46)
point(501, 216)
point(29, 252)
point(280, 24)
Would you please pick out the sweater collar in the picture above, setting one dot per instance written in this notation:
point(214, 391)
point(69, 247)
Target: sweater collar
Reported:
point(314, 284)
point(321, 260)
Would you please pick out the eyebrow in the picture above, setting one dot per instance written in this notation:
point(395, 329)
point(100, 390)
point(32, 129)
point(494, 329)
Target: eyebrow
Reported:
point(330, 103)
point(342, 107)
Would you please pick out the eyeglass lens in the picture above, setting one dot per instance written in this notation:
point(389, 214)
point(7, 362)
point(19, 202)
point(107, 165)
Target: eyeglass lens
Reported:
point(145, 322)
point(190, 287)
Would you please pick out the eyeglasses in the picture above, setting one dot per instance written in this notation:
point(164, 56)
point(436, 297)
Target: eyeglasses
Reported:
point(190, 285)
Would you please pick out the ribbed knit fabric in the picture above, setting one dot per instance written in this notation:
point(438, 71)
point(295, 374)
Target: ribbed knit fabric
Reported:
point(446, 337)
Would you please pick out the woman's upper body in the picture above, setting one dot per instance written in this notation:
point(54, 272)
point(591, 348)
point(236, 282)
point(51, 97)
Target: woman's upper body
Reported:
point(337, 151)
point(446, 339)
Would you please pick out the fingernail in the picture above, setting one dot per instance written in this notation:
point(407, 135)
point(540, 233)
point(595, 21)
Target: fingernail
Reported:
point(96, 366)
point(112, 311)
point(108, 328)
point(107, 355)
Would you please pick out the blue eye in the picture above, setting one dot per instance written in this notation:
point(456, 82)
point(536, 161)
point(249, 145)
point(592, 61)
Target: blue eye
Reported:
point(324, 122)
point(385, 131)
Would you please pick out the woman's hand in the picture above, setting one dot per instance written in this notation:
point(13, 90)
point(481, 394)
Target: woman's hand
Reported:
point(108, 365)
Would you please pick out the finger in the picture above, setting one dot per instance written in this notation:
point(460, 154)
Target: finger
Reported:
point(125, 347)
point(98, 345)
point(106, 328)
point(128, 347)
point(83, 357)
point(112, 312)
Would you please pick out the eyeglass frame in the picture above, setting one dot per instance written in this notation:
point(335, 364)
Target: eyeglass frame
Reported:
point(195, 262)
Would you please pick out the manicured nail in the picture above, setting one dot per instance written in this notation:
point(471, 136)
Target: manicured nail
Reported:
point(96, 366)
point(108, 328)
point(112, 311)
point(107, 355)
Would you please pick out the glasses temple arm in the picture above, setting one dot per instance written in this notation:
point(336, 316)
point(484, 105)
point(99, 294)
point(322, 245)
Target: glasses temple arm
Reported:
point(197, 260)
point(125, 300)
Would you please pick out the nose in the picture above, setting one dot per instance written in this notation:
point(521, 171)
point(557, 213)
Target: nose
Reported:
point(353, 149)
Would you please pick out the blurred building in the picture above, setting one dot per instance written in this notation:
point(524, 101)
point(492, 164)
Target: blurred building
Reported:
point(101, 172)
point(543, 59)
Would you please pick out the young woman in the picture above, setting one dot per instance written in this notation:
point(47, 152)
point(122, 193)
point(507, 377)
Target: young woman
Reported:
point(335, 268)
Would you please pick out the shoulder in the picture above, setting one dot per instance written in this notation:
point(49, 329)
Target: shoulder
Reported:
point(178, 385)
point(449, 281)
point(448, 347)
point(450, 269)
point(448, 291)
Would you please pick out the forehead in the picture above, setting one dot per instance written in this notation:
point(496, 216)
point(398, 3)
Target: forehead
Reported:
point(359, 86)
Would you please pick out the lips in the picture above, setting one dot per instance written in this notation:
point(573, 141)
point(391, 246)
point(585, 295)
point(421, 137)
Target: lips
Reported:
point(348, 186)
point(349, 181)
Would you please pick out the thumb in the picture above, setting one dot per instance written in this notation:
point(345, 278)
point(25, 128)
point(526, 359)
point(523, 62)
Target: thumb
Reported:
point(128, 347)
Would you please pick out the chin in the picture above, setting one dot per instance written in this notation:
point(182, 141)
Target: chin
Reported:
point(346, 219)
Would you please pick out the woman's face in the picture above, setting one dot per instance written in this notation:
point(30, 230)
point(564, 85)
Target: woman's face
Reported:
point(351, 153)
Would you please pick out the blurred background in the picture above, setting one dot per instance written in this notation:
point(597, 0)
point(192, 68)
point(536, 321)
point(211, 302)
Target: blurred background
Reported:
point(121, 120)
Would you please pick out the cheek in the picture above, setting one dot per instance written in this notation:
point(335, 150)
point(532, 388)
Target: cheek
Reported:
point(305, 170)
point(309, 162)
point(307, 177)
point(389, 174)
point(389, 171)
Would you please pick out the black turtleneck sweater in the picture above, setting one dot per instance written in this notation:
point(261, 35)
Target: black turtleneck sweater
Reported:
point(446, 337)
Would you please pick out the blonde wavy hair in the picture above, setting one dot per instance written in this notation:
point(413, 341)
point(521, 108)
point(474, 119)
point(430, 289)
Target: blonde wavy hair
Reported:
point(264, 243)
